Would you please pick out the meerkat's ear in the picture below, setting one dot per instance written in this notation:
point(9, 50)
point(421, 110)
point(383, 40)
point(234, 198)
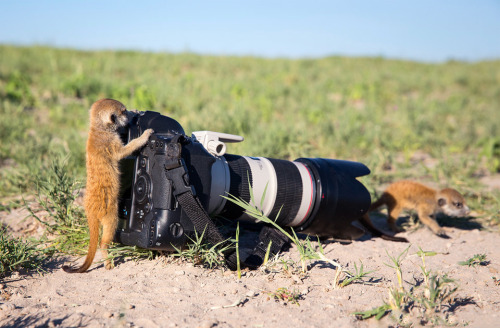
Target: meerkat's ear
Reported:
point(441, 202)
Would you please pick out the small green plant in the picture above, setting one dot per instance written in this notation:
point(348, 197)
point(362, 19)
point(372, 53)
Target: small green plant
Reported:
point(359, 274)
point(397, 266)
point(435, 295)
point(200, 253)
point(16, 253)
point(286, 295)
point(422, 254)
point(378, 312)
point(438, 291)
point(477, 259)
point(287, 265)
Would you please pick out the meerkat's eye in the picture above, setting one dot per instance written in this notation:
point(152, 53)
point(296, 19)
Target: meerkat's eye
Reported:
point(113, 118)
point(458, 204)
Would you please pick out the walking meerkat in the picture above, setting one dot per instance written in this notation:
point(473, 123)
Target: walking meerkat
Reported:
point(426, 201)
point(104, 150)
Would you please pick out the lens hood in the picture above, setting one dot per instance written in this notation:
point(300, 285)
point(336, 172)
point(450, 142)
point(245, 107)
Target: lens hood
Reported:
point(340, 198)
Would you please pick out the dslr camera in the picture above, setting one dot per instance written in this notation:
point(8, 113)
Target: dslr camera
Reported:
point(316, 196)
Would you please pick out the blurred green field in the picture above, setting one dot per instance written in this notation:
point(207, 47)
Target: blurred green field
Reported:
point(436, 123)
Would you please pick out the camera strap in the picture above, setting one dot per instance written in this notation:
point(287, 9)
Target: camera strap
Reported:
point(176, 171)
point(183, 191)
point(270, 239)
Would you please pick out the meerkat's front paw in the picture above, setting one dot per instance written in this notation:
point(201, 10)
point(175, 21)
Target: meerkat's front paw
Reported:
point(145, 136)
point(147, 133)
point(441, 233)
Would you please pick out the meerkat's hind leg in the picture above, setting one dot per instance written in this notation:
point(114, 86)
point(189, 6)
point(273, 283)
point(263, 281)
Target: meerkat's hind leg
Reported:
point(368, 224)
point(108, 233)
point(393, 212)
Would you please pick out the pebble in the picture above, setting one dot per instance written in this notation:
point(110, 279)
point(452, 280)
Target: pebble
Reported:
point(2, 286)
point(251, 293)
point(107, 314)
point(180, 272)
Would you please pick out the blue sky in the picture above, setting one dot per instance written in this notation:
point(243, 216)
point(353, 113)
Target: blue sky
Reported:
point(417, 30)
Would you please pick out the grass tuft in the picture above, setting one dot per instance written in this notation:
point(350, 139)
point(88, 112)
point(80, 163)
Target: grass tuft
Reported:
point(17, 254)
point(286, 295)
point(55, 208)
point(477, 259)
point(431, 302)
point(200, 253)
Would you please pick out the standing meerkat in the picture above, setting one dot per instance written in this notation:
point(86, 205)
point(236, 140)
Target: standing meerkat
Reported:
point(104, 151)
point(426, 201)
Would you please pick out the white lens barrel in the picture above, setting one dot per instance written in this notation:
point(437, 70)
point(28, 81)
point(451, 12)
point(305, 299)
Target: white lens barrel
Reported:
point(264, 185)
point(276, 185)
point(308, 194)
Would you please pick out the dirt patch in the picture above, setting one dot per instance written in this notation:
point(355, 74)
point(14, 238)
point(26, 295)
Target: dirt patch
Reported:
point(160, 293)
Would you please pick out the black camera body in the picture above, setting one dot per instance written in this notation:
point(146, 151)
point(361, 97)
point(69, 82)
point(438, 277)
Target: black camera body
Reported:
point(313, 195)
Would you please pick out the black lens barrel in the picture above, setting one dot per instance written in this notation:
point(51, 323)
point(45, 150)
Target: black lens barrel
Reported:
point(340, 197)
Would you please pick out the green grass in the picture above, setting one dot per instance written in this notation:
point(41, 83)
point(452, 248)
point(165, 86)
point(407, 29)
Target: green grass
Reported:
point(377, 111)
point(373, 110)
point(17, 254)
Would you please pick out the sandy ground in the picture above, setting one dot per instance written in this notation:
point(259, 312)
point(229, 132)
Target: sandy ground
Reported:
point(162, 293)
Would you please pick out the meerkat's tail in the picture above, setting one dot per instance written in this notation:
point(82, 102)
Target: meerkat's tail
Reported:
point(367, 223)
point(94, 240)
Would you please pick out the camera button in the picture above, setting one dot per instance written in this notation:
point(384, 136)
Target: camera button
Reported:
point(176, 229)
